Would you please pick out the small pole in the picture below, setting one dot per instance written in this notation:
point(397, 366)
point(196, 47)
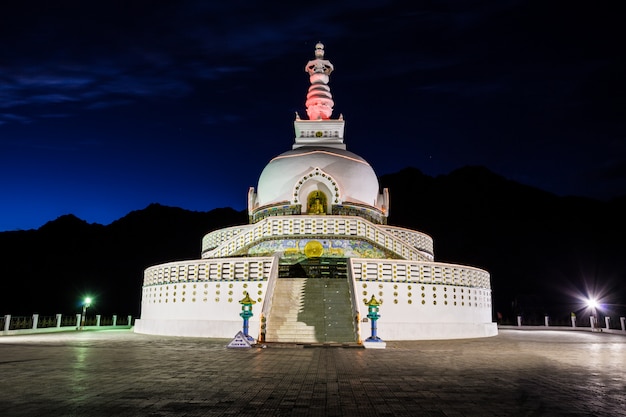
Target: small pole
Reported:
point(86, 304)
point(82, 317)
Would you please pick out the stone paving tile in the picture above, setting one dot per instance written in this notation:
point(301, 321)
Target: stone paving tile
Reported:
point(119, 373)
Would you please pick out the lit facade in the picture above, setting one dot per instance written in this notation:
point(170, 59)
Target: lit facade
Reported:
point(317, 248)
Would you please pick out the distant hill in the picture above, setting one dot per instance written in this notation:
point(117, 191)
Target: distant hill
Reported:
point(539, 248)
point(542, 250)
point(49, 270)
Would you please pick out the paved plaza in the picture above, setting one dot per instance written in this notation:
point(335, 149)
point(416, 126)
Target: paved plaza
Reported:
point(119, 373)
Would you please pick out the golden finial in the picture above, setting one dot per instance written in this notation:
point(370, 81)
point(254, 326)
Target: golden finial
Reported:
point(247, 299)
point(373, 302)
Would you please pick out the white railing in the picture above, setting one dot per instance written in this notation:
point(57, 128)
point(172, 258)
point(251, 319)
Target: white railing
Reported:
point(217, 237)
point(422, 272)
point(14, 325)
point(414, 238)
point(230, 269)
point(418, 248)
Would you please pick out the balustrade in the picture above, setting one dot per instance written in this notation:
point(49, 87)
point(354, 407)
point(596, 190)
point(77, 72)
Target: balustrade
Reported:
point(41, 324)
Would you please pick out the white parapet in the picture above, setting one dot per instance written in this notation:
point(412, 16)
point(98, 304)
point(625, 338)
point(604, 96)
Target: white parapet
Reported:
point(425, 300)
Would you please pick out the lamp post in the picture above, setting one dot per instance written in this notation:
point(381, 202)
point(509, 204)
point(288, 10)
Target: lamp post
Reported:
point(593, 305)
point(246, 313)
point(372, 313)
point(86, 303)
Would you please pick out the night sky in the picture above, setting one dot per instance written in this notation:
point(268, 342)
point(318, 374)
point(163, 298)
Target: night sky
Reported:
point(108, 106)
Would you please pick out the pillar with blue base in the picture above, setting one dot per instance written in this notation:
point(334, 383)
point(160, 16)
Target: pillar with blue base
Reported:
point(246, 313)
point(374, 342)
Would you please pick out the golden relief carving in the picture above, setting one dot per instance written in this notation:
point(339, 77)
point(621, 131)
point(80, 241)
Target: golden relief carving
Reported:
point(313, 249)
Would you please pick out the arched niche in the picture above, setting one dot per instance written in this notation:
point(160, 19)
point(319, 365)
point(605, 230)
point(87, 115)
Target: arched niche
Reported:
point(316, 181)
point(317, 203)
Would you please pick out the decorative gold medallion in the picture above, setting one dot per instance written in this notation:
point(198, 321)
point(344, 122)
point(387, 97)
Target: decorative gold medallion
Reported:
point(313, 249)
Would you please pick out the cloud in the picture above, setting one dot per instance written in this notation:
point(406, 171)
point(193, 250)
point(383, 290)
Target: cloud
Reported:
point(52, 98)
point(115, 57)
point(10, 117)
point(86, 85)
point(54, 78)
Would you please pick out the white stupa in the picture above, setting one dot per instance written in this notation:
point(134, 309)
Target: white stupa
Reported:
point(316, 253)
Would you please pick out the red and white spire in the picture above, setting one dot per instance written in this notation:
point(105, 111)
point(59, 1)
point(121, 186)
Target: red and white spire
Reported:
point(319, 101)
point(319, 129)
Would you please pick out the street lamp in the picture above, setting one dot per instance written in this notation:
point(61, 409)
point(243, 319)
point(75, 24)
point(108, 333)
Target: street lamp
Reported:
point(593, 305)
point(246, 313)
point(86, 303)
point(373, 306)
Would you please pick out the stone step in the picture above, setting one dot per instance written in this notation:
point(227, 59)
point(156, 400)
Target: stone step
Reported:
point(295, 330)
point(310, 311)
point(319, 325)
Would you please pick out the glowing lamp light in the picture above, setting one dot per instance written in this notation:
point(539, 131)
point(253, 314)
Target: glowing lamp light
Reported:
point(593, 304)
point(86, 303)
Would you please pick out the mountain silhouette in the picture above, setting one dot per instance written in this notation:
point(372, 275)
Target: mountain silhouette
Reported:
point(542, 250)
point(51, 269)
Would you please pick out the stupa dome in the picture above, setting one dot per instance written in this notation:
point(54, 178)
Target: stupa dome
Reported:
point(341, 175)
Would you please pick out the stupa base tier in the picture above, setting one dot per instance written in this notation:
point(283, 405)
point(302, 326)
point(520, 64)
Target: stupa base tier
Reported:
point(219, 329)
point(398, 331)
point(318, 308)
point(435, 331)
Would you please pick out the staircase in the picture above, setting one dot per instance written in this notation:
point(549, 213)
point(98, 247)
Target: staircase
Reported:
point(311, 310)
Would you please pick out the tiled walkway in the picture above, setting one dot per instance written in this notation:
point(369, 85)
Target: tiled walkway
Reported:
point(119, 373)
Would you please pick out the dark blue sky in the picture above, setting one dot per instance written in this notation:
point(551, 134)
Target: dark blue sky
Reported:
point(108, 106)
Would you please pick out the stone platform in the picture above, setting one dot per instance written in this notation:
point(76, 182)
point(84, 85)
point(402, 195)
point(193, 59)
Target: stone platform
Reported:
point(120, 373)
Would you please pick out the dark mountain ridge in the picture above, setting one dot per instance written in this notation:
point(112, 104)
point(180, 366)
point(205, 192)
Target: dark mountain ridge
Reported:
point(536, 245)
point(51, 269)
point(541, 249)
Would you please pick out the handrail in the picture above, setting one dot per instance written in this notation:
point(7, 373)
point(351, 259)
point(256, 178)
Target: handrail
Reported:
point(294, 226)
point(271, 284)
point(356, 310)
point(364, 269)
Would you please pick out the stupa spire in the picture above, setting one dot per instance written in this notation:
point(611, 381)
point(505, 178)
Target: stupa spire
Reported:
point(319, 101)
point(320, 129)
